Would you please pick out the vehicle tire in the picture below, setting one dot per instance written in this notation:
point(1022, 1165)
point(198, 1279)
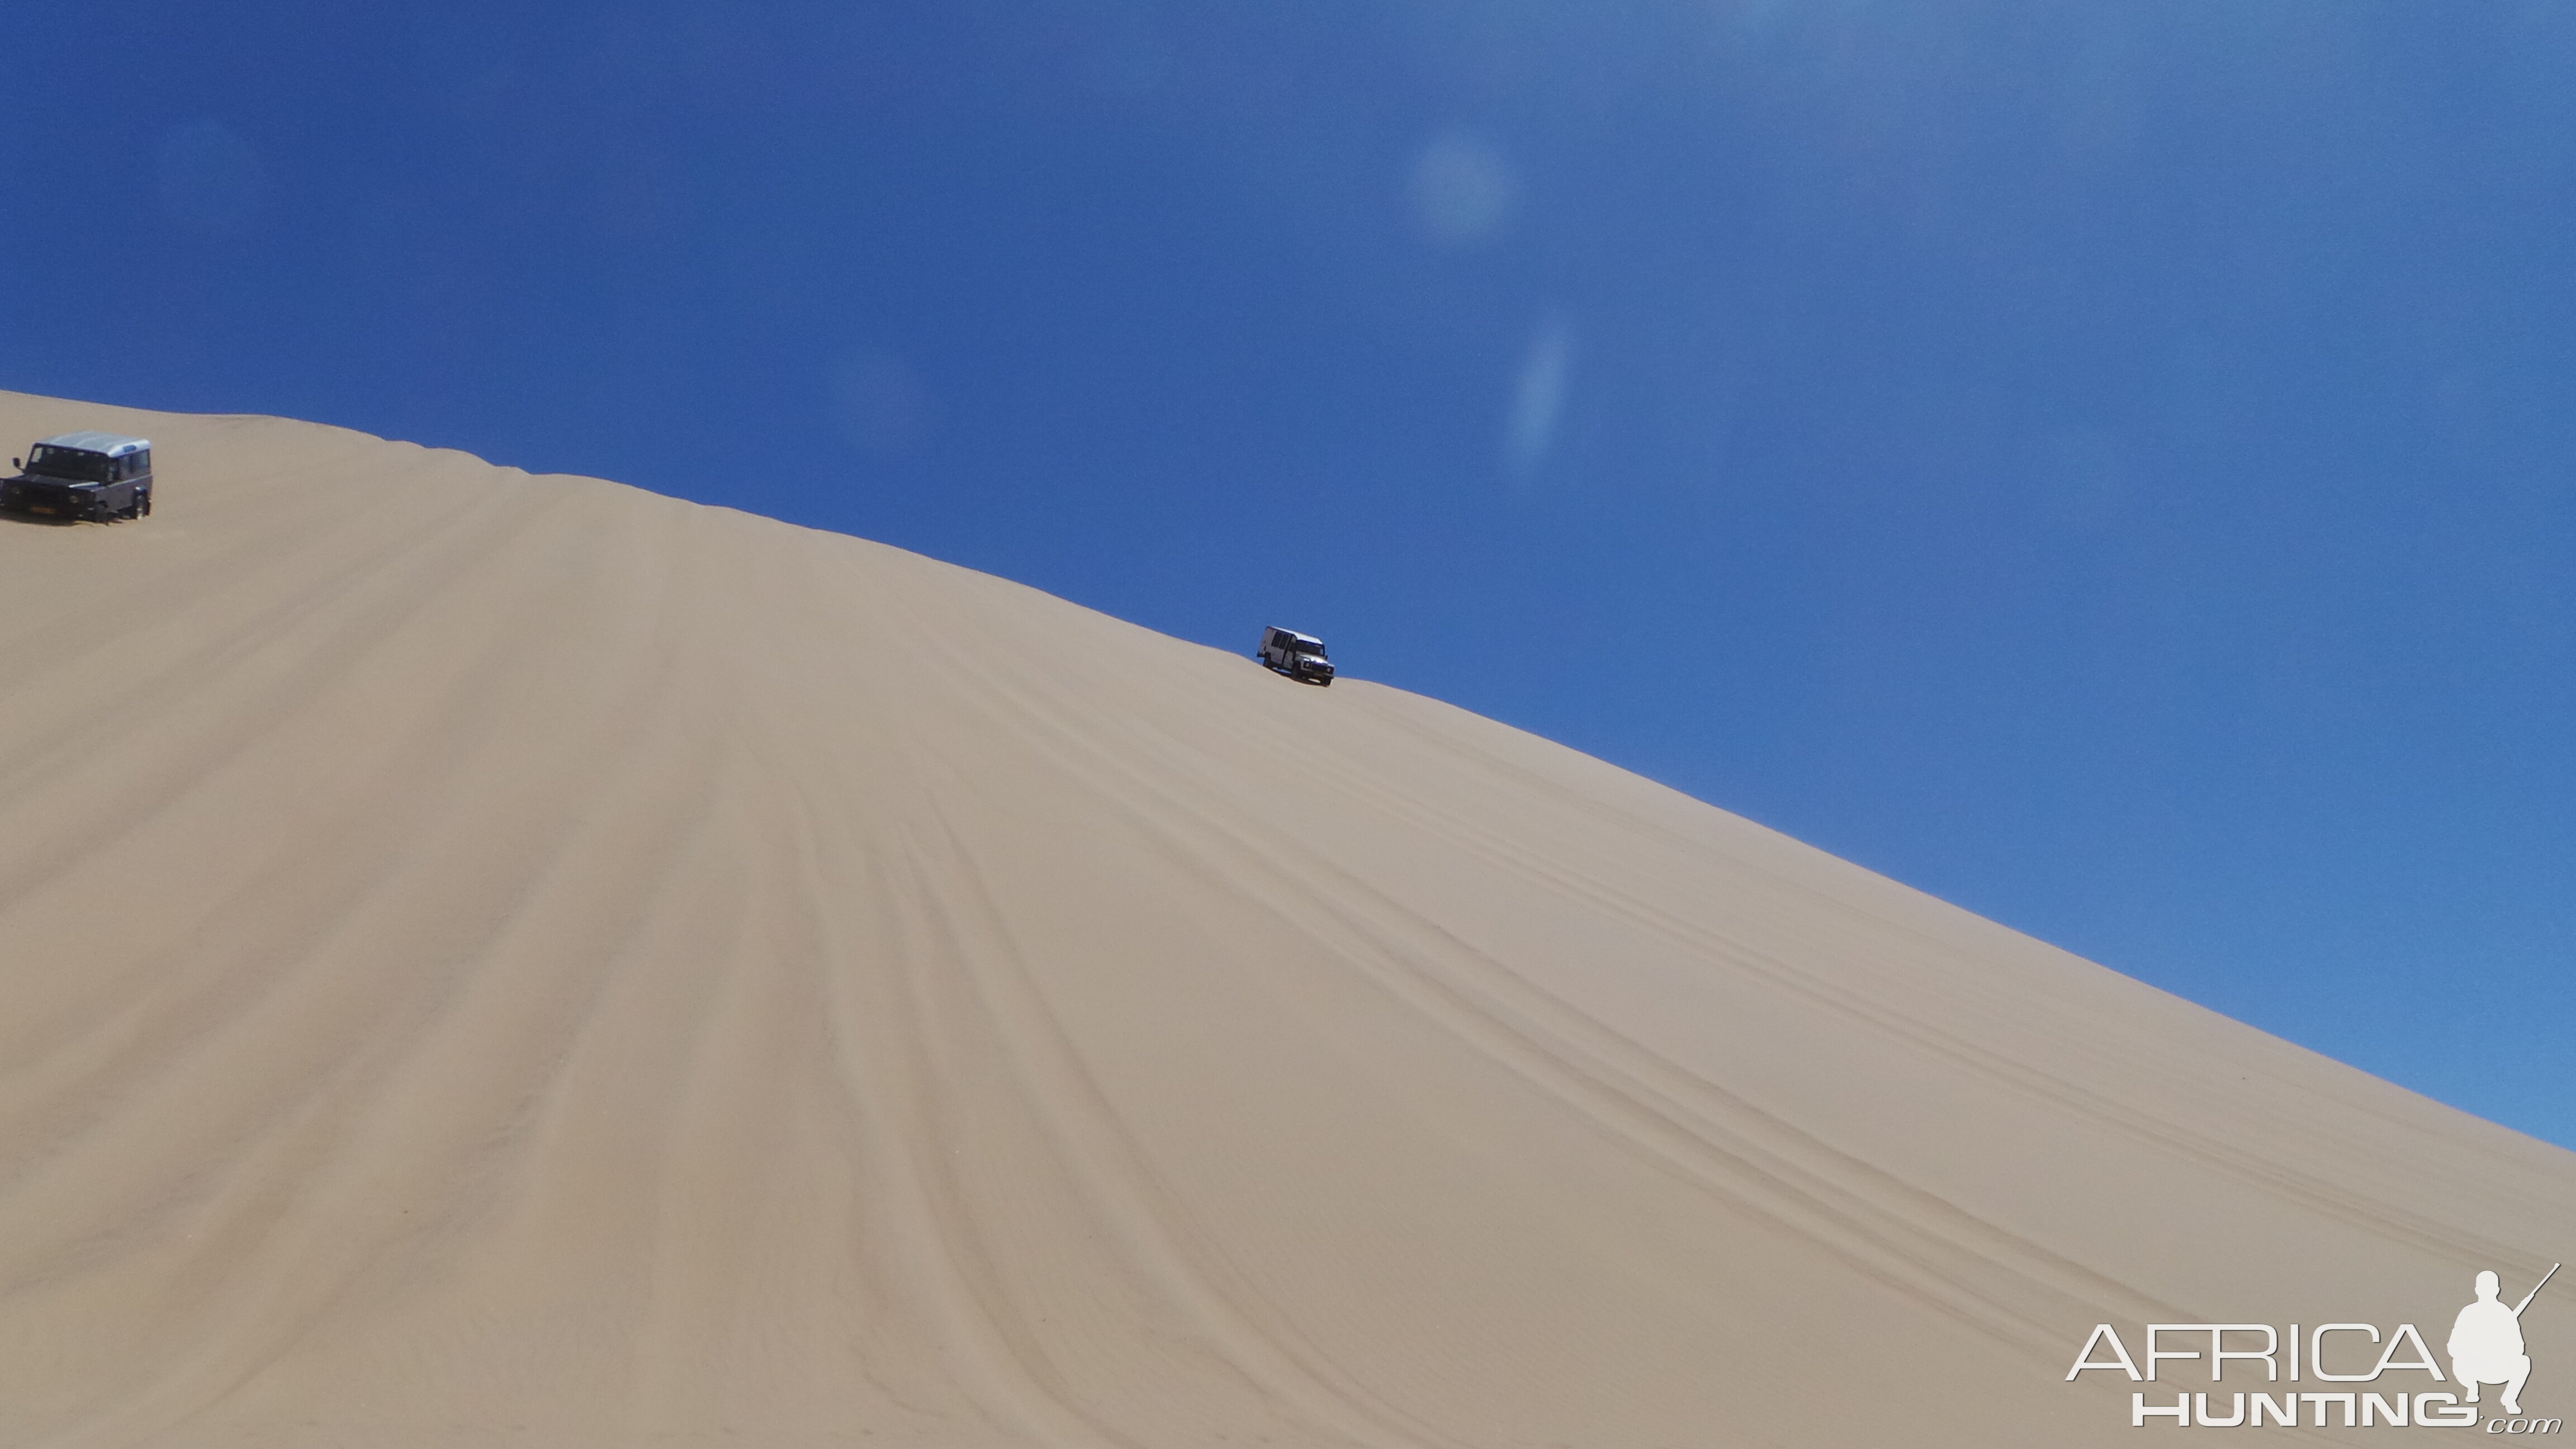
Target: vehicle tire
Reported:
point(143, 504)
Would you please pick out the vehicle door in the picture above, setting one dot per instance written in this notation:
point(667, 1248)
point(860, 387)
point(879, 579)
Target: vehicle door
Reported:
point(124, 471)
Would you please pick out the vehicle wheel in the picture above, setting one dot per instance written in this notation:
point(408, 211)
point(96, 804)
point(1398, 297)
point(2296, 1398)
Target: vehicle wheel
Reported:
point(144, 504)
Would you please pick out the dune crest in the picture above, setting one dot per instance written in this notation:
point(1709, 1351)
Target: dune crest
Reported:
point(509, 960)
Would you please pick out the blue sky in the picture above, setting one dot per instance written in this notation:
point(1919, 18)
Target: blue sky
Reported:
point(2109, 465)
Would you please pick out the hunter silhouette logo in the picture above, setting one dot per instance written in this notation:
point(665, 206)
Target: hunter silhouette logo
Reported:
point(2486, 1342)
point(2485, 1348)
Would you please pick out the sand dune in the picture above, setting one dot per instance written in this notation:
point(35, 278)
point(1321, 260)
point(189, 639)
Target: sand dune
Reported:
point(507, 960)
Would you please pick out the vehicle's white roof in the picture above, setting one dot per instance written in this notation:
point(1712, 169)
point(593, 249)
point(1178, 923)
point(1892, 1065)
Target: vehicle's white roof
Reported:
point(114, 445)
point(1293, 634)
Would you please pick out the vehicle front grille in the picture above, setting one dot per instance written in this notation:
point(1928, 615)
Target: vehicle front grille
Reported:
point(42, 495)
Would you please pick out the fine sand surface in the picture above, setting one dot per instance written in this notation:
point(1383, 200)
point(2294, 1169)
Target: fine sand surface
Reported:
point(505, 960)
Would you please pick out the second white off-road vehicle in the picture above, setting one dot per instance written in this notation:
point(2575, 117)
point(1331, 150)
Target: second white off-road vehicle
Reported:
point(1299, 656)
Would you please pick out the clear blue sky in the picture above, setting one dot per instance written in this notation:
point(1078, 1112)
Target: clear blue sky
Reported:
point(2108, 464)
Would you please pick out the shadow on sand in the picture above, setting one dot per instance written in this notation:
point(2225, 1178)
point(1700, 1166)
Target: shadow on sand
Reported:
point(48, 520)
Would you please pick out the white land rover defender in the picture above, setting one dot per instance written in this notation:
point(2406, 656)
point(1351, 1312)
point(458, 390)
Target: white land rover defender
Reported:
point(94, 476)
point(1299, 656)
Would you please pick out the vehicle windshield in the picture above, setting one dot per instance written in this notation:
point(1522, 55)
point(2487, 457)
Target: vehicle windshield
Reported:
point(1307, 646)
point(70, 463)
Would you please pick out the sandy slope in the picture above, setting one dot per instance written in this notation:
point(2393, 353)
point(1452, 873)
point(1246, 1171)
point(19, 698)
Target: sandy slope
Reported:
point(509, 960)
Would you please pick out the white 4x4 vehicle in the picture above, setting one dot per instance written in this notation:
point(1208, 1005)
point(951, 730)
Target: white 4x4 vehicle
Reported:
point(1299, 656)
point(96, 476)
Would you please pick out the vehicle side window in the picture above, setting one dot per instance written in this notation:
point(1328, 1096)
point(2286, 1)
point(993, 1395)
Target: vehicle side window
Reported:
point(139, 464)
point(121, 469)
